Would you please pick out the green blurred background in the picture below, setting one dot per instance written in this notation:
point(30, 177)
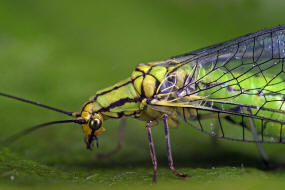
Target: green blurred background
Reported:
point(61, 52)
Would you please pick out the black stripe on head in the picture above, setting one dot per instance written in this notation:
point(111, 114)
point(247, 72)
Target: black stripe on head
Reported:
point(86, 105)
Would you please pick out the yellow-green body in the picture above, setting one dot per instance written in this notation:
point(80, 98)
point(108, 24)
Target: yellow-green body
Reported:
point(128, 97)
point(148, 83)
point(237, 83)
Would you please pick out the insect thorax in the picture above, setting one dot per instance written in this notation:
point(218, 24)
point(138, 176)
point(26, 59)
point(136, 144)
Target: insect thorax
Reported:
point(160, 79)
point(128, 97)
point(153, 78)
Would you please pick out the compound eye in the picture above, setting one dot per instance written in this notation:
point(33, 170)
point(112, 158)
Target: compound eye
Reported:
point(95, 124)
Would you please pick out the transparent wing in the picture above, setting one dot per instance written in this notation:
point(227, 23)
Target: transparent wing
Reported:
point(236, 83)
point(225, 124)
point(184, 58)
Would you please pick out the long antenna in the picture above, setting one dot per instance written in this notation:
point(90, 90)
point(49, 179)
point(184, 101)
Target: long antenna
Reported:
point(36, 103)
point(18, 135)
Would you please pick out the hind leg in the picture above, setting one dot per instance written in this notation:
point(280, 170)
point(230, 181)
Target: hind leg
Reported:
point(269, 165)
point(168, 149)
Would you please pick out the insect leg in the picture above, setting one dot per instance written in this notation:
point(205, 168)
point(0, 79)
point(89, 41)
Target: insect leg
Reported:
point(151, 148)
point(263, 154)
point(259, 146)
point(119, 143)
point(168, 148)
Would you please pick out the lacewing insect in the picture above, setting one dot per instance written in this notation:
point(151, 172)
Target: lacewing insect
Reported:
point(233, 90)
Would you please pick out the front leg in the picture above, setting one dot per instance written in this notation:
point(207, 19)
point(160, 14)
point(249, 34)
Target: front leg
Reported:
point(119, 143)
point(151, 148)
point(168, 148)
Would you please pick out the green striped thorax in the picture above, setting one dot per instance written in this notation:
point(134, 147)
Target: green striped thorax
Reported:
point(125, 98)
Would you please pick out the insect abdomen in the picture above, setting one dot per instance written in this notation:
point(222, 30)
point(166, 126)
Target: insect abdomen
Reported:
point(258, 96)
